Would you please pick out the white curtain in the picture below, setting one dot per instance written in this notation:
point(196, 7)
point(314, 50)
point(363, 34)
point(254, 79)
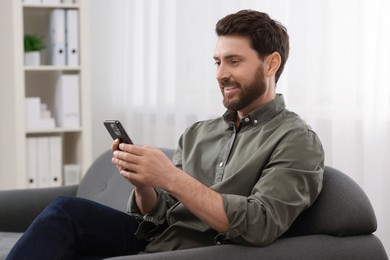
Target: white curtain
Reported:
point(337, 76)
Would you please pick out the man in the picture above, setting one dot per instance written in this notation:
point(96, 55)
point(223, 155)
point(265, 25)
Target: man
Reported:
point(242, 178)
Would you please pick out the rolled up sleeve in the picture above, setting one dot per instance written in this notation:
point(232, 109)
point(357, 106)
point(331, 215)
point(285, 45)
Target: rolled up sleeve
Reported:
point(290, 182)
point(155, 220)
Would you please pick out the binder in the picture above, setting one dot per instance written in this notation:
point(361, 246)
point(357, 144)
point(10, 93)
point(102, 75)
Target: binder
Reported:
point(55, 161)
point(57, 37)
point(72, 33)
point(43, 161)
point(32, 162)
point(67, 105)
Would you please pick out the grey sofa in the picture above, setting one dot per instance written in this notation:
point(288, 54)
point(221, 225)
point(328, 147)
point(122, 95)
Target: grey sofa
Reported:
point(339, 225)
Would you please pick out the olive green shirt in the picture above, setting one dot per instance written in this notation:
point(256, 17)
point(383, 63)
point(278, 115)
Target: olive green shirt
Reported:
point(268, 171)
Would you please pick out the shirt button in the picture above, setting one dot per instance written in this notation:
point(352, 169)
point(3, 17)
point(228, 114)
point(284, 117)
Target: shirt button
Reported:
point(255, 121)
point(247, 119)
point(221, 164)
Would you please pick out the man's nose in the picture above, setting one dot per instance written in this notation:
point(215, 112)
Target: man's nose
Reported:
point(222, 73)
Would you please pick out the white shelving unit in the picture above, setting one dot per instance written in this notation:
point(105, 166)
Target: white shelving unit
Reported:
point(18, 81)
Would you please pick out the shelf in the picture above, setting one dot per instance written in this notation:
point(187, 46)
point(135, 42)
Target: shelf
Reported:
point(20, 81)
point(50, 6)
point(53, 130)
point(51, 68)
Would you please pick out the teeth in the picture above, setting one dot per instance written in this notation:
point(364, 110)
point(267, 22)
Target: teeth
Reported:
point(230, 88)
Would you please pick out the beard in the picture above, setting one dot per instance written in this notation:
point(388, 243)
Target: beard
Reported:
point(255, 89)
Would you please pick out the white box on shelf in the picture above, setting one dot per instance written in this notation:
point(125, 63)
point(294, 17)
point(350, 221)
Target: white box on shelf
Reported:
point(47, 123)
point(37, 114)
point(67, 107)
point(32, 105)
point(44, 111)
point(71, 174)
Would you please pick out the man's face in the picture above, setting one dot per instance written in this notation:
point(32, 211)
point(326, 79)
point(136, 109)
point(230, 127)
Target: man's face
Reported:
point(240, 73)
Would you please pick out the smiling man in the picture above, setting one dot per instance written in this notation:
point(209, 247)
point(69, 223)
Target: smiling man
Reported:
point(242, 178)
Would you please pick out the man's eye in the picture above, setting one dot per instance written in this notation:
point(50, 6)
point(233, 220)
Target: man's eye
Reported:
point(234, 62)
point(217, 63)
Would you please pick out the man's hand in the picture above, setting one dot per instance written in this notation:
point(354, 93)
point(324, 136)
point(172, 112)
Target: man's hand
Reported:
point(144, 166)
point(148, 167)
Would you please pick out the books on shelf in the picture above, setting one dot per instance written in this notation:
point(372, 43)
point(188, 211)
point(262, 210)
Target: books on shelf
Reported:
point(44, 161)
point(37, 114)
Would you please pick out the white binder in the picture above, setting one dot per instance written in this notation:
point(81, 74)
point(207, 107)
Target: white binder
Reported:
point(57, 37)
point(43, 161)
point(55, 161)
point(67, 105)
point(32, 162)
point(72, 37)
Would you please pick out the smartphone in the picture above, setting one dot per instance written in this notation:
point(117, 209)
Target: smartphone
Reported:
point(117, 131)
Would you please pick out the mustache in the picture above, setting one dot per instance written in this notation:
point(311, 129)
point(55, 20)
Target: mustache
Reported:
point(226, 83)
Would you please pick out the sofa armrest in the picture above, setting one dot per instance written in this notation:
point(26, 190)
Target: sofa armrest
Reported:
point(18, 208)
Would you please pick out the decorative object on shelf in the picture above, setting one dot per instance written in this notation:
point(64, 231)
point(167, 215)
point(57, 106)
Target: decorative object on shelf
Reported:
point(32, 46)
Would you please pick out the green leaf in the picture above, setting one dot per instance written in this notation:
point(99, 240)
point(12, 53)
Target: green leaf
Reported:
point(32, 42)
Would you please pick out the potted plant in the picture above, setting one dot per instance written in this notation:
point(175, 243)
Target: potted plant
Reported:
point(32, 46)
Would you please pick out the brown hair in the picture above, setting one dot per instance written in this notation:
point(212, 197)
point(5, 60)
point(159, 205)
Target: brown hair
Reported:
point(266, 35)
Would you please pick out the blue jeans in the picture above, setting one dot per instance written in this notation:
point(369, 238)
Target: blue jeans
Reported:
point(76, 228)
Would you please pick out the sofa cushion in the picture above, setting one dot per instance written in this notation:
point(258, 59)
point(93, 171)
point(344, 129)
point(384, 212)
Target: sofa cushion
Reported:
point(318, 247)
point(341, 209)
point(7, 240)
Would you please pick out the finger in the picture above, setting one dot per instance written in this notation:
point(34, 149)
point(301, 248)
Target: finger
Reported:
point(131, 177)
point(126, 156)
point(115, 145)
point(131, 148)
point(125, 165)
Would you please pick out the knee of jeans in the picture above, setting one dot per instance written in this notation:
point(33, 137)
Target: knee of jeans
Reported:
point(62, 202)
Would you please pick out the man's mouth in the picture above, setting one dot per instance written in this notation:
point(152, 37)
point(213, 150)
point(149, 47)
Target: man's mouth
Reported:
point(229, 89)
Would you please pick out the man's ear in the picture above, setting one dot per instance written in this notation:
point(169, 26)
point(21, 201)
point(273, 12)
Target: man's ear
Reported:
point(272, 64)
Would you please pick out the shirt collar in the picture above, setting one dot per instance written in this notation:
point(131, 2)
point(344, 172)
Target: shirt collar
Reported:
point(259, 115)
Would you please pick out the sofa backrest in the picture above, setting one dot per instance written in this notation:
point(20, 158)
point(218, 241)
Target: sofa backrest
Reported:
point(103, 183)
point(341, 209)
